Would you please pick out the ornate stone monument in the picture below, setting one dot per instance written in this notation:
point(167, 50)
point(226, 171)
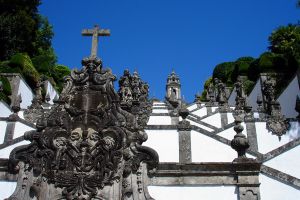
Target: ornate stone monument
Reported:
point(87, 147)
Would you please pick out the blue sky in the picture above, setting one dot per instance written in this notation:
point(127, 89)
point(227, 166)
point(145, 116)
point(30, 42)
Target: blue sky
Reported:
point(156, 36)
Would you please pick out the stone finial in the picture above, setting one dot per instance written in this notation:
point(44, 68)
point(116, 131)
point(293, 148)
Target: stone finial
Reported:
point(297, 107)
point(16, 104)
point(240, 143)
point(198, 98)
point(248, 112)
point(259, 103)
point(184, 124)
point(240, 99)
point(47, 97)
point(16, 107)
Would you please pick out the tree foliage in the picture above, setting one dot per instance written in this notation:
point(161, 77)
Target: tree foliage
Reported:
point(285, 40)
point(26, 43)
point(224, 71)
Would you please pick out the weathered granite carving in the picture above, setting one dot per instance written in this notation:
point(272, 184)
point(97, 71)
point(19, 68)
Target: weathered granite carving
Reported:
point(221, 96)
point(88, 147)
point(133, 93)
point(240, 143)
point(276, 122)
point(240, 99)
point(35, 110)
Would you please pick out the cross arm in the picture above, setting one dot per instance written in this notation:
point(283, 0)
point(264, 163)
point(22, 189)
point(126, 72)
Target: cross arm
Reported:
point(101, 32)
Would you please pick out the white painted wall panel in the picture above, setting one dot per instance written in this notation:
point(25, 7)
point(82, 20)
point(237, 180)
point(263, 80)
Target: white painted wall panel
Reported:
point(231, 99)
point(160, 111)
point(206, 149)
point(230, 118)
point(7, 188)
point(21, 114)
point(20, 129)
point(3, 125)
point(26, 94)
point(165, 142)
point(290, 95)
point(159, 120)
point(4, 153)
point(213, 109)
point(192, 107)
point(158, 103)
point(267, 142)
point(271, 189)
point(4, 110)
point(287, 162)
point(193, 193)
point(201, 126)
point(201, 112)
point(214, 120)
point(51, 91)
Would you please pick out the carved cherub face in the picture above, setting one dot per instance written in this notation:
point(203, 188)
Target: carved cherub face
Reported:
point(60, 142)
point(76, 134)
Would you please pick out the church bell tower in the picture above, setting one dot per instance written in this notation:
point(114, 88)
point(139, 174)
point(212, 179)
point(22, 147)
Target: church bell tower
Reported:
point(173, 87)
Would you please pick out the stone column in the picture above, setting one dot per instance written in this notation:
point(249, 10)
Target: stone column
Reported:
point(209, 109)
point(185, 151)
point(250, 128)
point(184, 132)
point(174, 117)
point(224, 119)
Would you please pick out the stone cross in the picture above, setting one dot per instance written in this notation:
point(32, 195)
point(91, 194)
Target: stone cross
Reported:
point(95, 32)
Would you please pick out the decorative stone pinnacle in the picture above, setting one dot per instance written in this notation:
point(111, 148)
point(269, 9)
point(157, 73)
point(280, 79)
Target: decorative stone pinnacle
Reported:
point(184, 124)
point(15, 108)
point(240, 143)
point(47, 97)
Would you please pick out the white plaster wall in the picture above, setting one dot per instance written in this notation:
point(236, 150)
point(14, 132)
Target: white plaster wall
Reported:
point(193, 193)
point(4, 153)
point(192, 107)
point(160, 111)
point(20, 129)
point(253, 95)
point(158, 103)
point(26, 94)
point(230, 118)
point(256, 115)
point(267, 142)
point(289, 95)
point(21, 114)
point(201, 126)
point(4, 109)
point(206, 149)
point(231, 99)
point(214, 120)
point(271, 189)
point(159, 120)
point(165, 142)
point(3, 125)
point(230, 133)
point(7, 188)
point(287, 162)
point(213, 109)
point(201, 112)
point(51, 91)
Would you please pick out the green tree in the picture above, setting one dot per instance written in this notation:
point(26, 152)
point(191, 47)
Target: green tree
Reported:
point(223, 72)
point(60, 71)
point(18, 25)
point(241, 67)
point(285, 40)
